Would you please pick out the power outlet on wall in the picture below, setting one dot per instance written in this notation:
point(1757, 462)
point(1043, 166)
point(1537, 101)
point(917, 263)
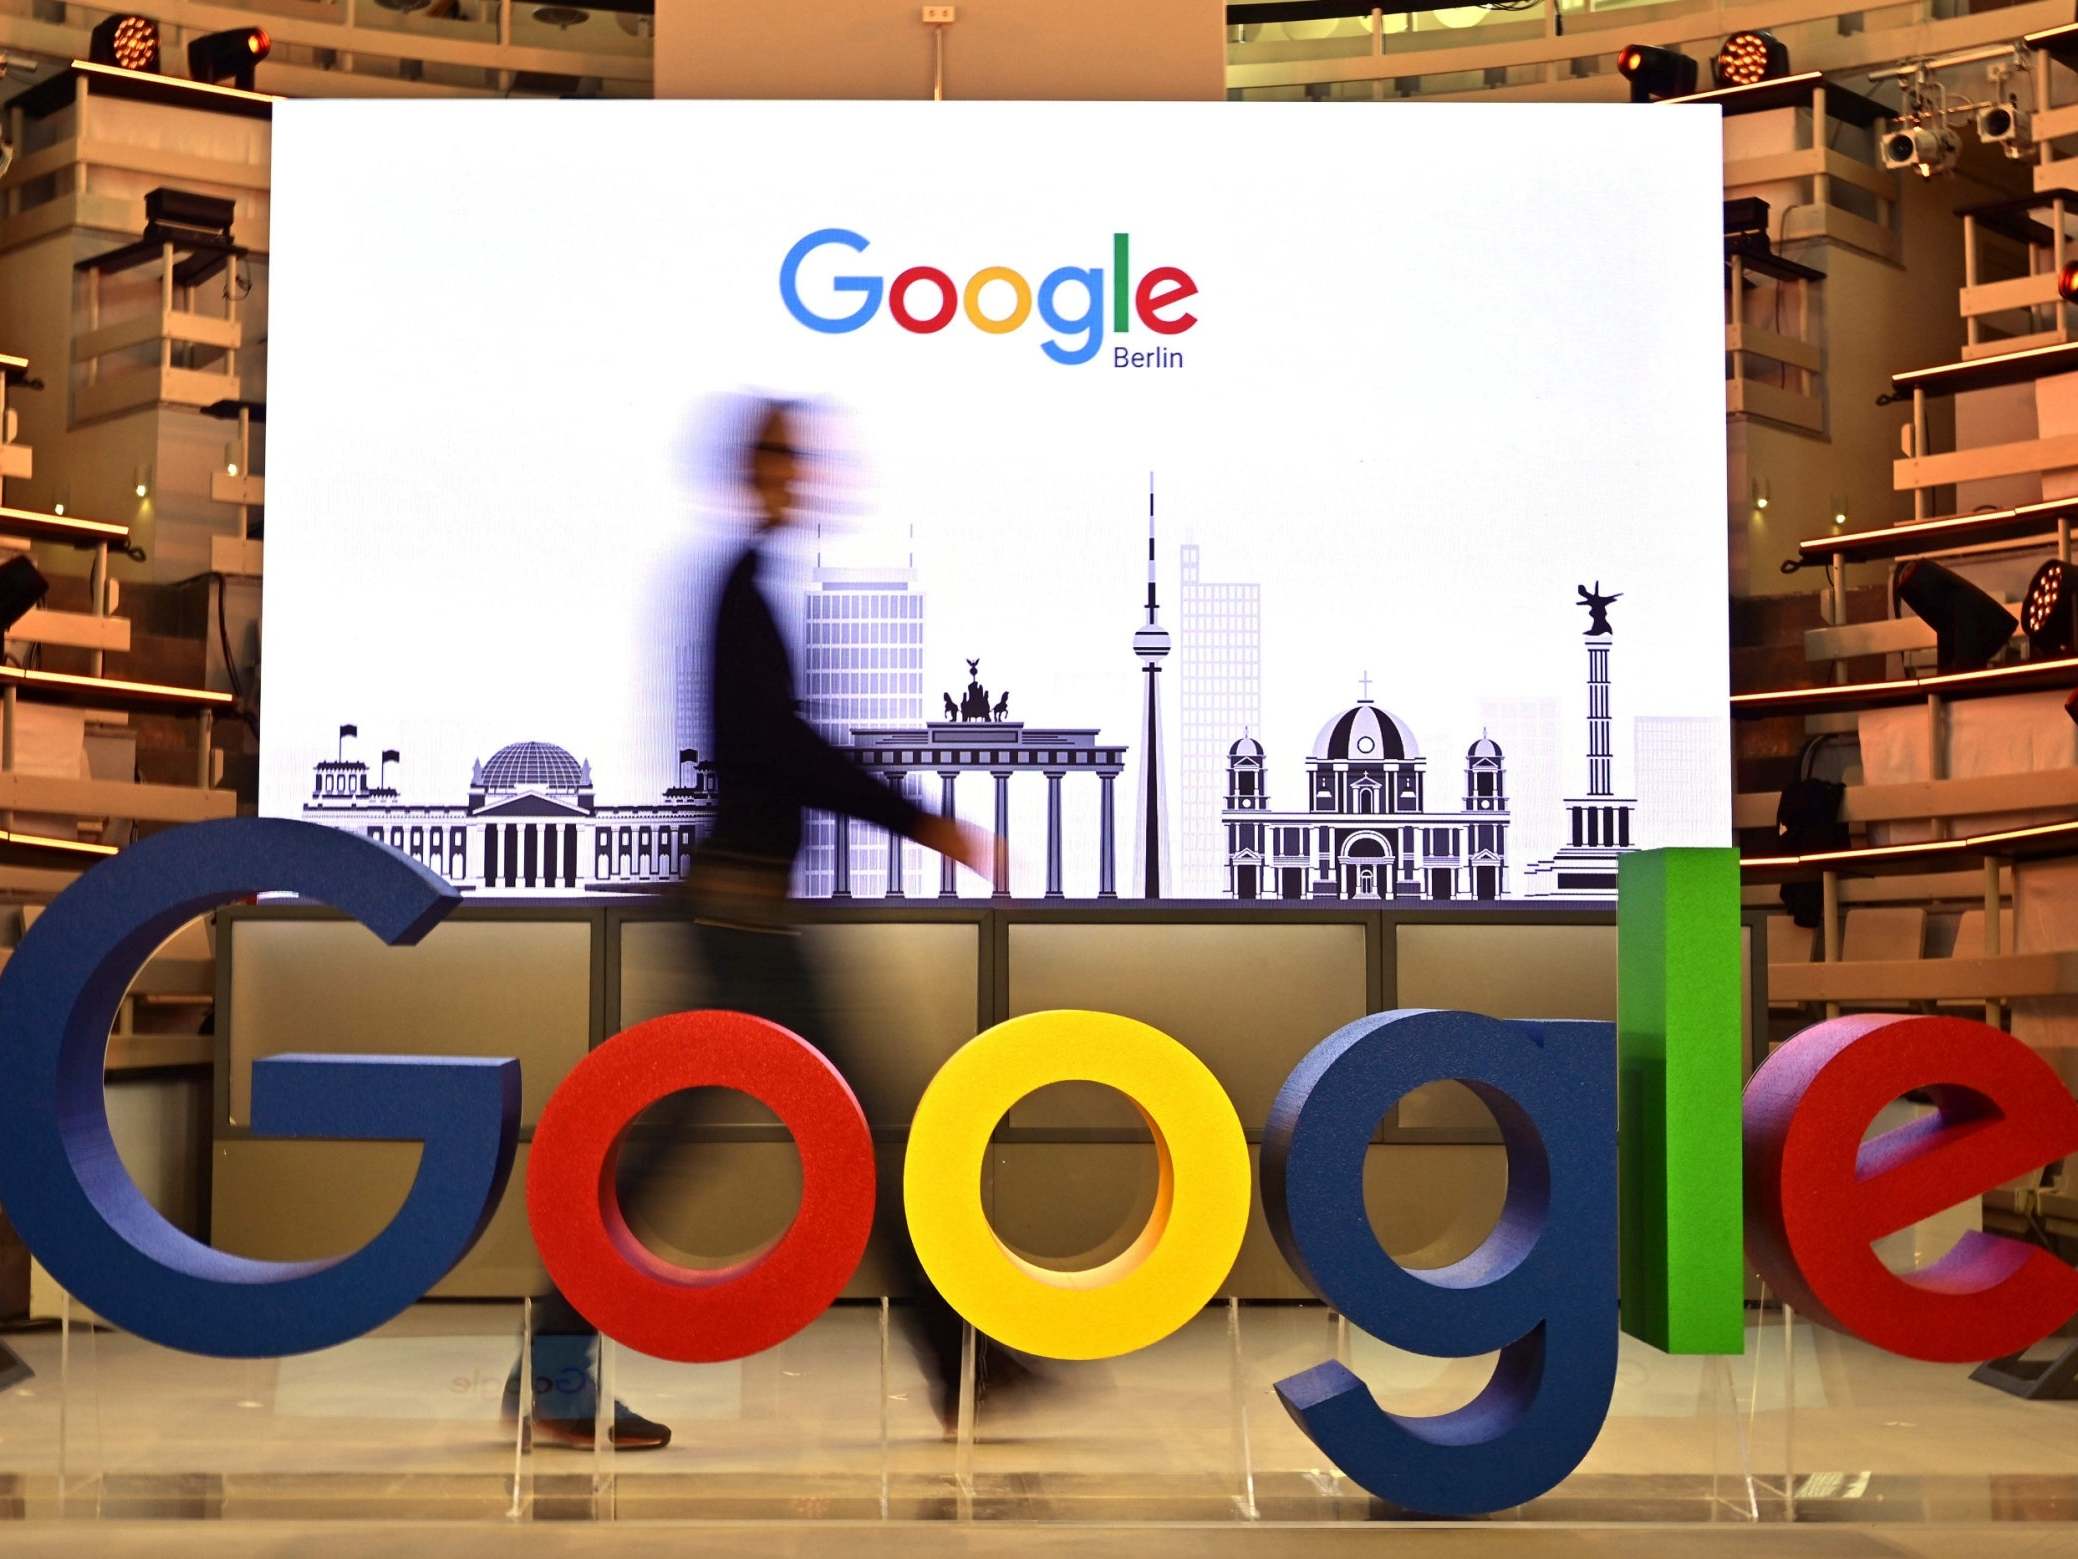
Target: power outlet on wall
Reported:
point(938, 16)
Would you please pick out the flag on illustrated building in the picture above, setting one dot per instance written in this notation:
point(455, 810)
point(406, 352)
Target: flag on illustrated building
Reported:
point(349, 730)
point(391, 755)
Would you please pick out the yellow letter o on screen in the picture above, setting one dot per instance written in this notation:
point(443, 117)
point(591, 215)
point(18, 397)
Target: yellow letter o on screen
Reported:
point(1019, 310)
point(1175, 1266)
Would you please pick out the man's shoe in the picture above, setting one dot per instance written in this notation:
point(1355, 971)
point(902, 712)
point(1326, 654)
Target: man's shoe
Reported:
point(556, 1427)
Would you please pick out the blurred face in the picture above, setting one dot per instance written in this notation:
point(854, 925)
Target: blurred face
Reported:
point(777, 470)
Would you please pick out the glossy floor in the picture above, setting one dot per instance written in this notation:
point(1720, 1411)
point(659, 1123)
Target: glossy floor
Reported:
point(838, 1426)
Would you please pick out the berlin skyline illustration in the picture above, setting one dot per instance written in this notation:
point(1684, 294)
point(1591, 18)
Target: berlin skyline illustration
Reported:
point(1369, 821)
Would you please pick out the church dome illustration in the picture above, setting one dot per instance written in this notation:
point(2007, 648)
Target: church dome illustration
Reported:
point(1485, 747)
point(1247, 747)
point(1364, 733)
point(540, 765)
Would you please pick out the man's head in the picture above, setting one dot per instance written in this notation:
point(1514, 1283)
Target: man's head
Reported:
point(774, 462)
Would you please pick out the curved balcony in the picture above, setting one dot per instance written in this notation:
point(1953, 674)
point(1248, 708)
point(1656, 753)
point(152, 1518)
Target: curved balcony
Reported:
point(388, 48)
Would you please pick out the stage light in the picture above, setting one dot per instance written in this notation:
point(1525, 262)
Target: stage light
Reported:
point(1656, 73)
point(1925, 149)
point(127, 42)
point(2049, 612)
point(1746, 226)
point(231, 56)
point(2004, 125)
point(1970, 628)
point(1747, 58)
point(142, 485)
point(22, 586)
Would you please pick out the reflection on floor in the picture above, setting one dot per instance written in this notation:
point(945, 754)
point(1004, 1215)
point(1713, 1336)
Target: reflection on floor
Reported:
point(405, 1425)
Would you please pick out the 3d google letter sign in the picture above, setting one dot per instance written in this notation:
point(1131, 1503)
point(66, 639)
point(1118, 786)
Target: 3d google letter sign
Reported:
point(1548, 1288)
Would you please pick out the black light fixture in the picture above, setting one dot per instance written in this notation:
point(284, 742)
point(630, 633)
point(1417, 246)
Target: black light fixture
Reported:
point(1656, 73)
point(2049, 612)
point(22, 586)
point(127, 42)
point(1746, 59)
point(230, 56)
point(1969, 626)
point(1746, 226)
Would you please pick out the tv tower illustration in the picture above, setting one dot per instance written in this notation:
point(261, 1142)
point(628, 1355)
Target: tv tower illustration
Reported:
point(1151, 820)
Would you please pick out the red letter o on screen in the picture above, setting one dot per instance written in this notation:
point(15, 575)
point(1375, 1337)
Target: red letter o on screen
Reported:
point(1177, 286)
point(898, 299)
point(1818, 1197)
point(628, 1291)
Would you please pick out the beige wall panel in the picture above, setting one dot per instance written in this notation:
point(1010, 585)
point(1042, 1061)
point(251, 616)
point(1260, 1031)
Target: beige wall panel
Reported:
point(282, 1200)
point(1069, 49)
point(471, 988)
point(901, 999)
point(1549, 972)
point(1248, 1000)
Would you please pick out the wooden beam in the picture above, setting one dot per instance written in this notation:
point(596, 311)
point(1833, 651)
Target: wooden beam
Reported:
point(114, 798)
point(156, 325)
point(1927, 979)
point(1914, 799)
point(1960, 887)
point(2019, 292)
point(1750, 398)
point(73, 630)
point(110, 692)
point(39, 526)
point(1772, 345)
point(1989, 460)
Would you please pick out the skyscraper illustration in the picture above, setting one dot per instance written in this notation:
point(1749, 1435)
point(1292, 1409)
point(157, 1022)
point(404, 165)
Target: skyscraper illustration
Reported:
point(1219, 657)
point(1678, 803)
point(1151, 869)
point(862, 660)
point(1530, 725)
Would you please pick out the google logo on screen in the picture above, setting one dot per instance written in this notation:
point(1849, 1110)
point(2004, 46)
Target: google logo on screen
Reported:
point(924, 299)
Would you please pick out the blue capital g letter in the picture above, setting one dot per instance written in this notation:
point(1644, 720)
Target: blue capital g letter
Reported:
point(790, 283)
point(1542, 1288)
point(66, 1189)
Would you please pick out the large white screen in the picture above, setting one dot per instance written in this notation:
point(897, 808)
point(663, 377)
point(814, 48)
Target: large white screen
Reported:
point(1448, 366)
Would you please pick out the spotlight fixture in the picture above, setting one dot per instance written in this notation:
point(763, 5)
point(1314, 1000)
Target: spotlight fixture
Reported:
point(1656, 73)
point(1748, 58)
point(1746, 226)
point(2067, 282)
point(1970, 628)
point(231, 56)
point(127, 42)
point(21, 587)
point(1925, 149)
point(142, 486)
point(2004, 125)
point(2049, 612)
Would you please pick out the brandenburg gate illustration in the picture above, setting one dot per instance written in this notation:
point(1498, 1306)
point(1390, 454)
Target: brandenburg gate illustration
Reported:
point(980, 740)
